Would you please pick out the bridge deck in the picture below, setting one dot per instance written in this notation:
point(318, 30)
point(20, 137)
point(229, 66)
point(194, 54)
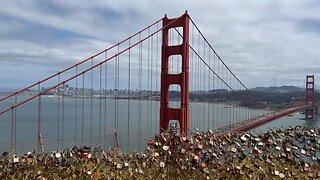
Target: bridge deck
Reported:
point(257, 121)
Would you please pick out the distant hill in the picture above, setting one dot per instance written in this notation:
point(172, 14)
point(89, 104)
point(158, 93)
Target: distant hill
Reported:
point(281, 89)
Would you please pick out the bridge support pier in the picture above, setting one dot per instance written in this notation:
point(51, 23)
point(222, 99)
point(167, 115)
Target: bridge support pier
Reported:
point(310, 114)
point(182, 79)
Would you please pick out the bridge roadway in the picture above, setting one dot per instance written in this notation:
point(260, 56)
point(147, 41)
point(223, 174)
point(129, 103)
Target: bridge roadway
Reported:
point(257, 121)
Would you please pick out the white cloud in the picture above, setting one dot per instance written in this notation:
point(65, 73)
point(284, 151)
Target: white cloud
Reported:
point(259, 40)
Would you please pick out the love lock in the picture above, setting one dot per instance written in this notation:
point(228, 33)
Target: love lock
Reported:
point(233, 149)
point(243, 138)
point(119, 166)
point(257, 139)
point(260, 144)
point(57, 155)
point(281, 175)
point(162, 164)
point(200, 146)
point(183, 151)
point(166, 148)
point(15, 159)
point(156, 154)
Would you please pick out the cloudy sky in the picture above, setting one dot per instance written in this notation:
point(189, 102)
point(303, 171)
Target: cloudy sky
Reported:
point(261, 40)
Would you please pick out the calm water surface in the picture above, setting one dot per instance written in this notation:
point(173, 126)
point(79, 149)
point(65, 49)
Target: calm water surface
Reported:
point(93, 121)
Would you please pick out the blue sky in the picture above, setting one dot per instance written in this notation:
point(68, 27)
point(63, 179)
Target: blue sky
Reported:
point(259, 39)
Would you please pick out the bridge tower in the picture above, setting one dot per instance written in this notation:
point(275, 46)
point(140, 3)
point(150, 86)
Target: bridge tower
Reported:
point(310, 97)
point(182, 79)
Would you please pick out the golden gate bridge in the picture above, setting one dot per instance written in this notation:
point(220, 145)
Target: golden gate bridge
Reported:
point(136, 88)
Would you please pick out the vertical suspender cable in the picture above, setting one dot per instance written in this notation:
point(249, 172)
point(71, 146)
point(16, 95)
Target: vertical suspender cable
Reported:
point(118, 89)
point(213, 91)
point(228, 100)
point(115, 99)
point(237, 116)
point(249, 114)
point(148, 85)
point(204, 87)
point(228, 114)
point(100, 103)
point(76, 109)
point(91, 102)
point(15, 124)
point(62, 116)
point(227, 89)
point(221, 92)
point(209, 87)
point(230, 91)
point(140, 89)
point(129, 94)
point(218, 91)
point(233, 101)
point(39, 118)
point(224, 73)
point(116, 79)
point(151, 89)
point(193, 74)
point(12, 131)
point(82, 109)
point(238, 104)
point(58, 128)
point(237, 100)
point(199, 81)
point(157, 76)
point(223, 114)
point(105, 100)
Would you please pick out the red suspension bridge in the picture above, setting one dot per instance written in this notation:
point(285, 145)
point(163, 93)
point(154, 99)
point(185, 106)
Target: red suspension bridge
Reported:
point(132, 91)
